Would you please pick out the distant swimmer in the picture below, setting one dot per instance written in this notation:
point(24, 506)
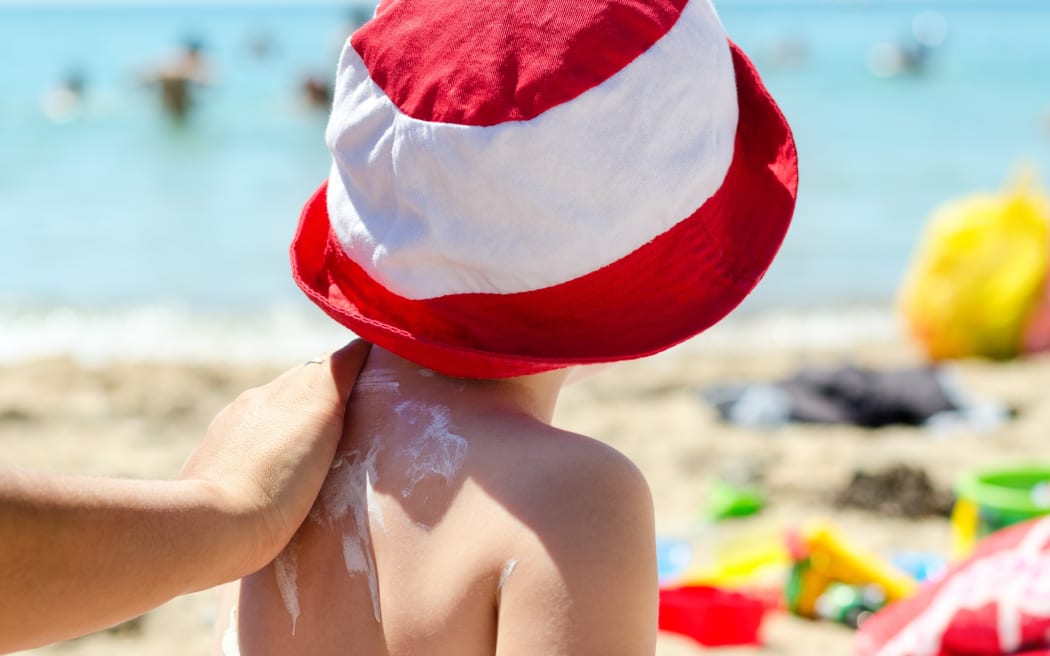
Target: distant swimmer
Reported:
point(65, 102)
point(893, 58)
point(909, 55)
point(262, 45)
point(316, 92)
point(179, 79)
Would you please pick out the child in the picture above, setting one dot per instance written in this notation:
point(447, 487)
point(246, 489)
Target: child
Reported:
point(518, 188)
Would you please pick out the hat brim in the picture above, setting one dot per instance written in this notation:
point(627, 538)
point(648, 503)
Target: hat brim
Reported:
point(663, 293)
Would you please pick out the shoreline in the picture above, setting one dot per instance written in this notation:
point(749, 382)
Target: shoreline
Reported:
point(292, 332)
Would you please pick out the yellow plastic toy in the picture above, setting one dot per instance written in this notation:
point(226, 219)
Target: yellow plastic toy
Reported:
point(966, 521)
point(988, 500)
point(979, 274)
point(748, 565)
point(824, 556)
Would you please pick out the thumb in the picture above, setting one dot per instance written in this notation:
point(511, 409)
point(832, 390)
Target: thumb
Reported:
point(334, 378)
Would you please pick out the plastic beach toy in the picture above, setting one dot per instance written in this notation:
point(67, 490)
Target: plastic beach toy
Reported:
point(726, 500)
point(823, 557)
point(920, 565)
point(672, 560)
point(758, 564)
point(712, 616)
point(849, 604)
point(990, 500)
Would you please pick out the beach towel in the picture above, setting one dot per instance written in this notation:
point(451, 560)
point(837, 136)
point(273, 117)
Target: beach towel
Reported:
point(848, 394)
point(995, 603)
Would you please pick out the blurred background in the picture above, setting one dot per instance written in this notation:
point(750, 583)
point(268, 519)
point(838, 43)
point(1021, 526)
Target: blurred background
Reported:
point(154, 157)
point(126, 200)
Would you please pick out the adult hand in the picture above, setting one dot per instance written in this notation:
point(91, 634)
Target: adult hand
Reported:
point(266, 454)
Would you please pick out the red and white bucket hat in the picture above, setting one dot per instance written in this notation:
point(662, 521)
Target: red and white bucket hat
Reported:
point(525, 185)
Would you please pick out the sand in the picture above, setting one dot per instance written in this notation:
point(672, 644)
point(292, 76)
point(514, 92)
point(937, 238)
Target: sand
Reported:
point(142, 419)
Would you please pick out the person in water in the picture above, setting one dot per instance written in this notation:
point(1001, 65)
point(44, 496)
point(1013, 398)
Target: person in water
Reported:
point(179, 80)
point(517, 189)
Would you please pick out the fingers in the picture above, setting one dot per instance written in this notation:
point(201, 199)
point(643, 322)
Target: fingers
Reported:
point(335, 378)
point(323, 383)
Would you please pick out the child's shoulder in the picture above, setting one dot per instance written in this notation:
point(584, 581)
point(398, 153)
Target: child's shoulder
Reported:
point(577, 543)
point(559, 483)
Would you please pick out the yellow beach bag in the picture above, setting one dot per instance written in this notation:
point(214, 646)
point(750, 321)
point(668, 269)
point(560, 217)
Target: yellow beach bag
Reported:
point(979, 274)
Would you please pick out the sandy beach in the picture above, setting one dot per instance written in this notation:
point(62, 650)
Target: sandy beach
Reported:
point(141, 419)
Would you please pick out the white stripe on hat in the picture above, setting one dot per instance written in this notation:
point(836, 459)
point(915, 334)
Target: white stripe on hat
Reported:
point(430, 209)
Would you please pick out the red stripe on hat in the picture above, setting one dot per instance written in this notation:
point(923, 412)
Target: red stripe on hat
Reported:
point(433, 73)
point(672, 288)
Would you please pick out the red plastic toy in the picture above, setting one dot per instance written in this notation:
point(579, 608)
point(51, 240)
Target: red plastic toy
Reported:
point(712, 616)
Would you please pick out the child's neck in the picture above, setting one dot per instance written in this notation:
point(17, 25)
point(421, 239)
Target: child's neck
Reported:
point(534, 395)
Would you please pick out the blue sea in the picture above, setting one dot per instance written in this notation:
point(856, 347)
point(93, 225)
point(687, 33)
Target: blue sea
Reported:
point(126, 234)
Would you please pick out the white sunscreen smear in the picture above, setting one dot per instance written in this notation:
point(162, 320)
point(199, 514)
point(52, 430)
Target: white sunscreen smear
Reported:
point(354, 556)
point(345, 494)
point(286, 568)
point(377, 380)
point(508, 569)
point(230, 643)
point(375, 511)
point(435, 451)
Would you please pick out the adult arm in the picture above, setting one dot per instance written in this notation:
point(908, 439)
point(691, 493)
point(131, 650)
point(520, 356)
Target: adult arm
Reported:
point(78, 554)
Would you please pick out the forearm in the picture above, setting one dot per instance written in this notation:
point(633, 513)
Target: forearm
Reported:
point(80, 554)
point(77, 554)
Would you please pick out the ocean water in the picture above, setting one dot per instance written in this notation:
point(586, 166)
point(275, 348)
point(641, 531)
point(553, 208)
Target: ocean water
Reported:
point(124, 234)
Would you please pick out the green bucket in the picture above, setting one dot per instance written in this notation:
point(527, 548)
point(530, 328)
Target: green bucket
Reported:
point(989, 500)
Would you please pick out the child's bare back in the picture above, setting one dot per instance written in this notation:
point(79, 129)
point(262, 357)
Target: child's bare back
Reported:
point(457, 521)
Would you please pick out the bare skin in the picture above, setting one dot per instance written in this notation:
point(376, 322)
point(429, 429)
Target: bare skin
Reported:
point(178, 80)
point(78, 554)
point(479, 529)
